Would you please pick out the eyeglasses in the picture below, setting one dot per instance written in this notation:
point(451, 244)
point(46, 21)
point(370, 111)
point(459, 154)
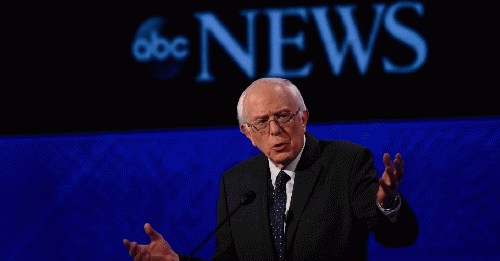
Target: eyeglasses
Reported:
point(283, 119)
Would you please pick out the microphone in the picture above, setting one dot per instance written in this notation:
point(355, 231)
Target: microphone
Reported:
point(247, 198)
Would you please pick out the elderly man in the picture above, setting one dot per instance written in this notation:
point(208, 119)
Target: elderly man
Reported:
point(315, 199)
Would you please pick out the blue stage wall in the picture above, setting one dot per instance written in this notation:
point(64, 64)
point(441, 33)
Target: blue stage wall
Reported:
point(77, 196)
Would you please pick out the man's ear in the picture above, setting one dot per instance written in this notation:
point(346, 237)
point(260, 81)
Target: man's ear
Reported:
point(304, 118)
point(247, 132)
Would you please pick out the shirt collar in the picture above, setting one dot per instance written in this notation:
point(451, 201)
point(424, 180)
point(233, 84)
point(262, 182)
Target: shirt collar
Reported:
point(289, 169)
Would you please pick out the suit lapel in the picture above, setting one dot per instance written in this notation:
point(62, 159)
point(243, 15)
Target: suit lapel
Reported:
point(305, 179)
point(261, 177)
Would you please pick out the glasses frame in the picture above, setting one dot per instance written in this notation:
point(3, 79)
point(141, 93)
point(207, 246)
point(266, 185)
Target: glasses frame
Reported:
point(267, 127)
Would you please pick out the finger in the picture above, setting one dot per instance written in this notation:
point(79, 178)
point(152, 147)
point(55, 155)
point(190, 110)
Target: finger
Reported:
point(401, 158)
point(387, 160)
point(388, 174)
point(140, 254)
point(398, 162)
point(388, 164)
point(126, 243)
point(391, 178)
point(133, 249)
point(152, 233)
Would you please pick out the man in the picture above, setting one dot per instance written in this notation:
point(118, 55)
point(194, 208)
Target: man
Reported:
point(315, 199)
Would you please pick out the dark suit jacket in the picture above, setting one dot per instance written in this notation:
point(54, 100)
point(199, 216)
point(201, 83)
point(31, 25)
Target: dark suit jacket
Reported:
point(332, 209)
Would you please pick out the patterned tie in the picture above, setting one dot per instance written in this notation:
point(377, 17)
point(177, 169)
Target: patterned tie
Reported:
point(278, 212)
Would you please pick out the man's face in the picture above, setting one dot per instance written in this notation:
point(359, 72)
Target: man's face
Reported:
point(280, 144)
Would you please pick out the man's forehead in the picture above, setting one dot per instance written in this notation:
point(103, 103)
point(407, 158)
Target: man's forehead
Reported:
point(269, 90)
point(270, 98)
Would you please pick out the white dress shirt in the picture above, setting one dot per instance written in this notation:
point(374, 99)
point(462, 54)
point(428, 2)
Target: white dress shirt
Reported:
point(290, 170)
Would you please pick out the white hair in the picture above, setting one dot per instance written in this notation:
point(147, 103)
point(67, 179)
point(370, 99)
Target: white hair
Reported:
point(286, 83)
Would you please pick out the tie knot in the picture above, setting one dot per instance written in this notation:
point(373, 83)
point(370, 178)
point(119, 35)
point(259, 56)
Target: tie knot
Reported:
point(281, 180)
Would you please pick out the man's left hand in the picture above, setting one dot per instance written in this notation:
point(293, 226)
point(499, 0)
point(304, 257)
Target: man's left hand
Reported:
point(157, 250)
point(390, 181)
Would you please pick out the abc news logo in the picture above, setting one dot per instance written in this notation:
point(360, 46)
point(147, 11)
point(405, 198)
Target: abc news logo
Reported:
point(149, 46)
point(160, 48)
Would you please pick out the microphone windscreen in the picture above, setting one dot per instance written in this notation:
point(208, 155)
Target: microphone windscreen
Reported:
point(248, 198)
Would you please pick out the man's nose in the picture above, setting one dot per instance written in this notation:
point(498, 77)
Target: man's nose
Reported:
point(274, 128)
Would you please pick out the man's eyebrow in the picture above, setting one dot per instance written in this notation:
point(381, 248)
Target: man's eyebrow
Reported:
point(259, 117)
point(282, 111)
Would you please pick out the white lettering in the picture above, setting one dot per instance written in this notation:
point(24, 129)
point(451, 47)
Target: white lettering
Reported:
point(244, 59)
point(277, 42)
point(405, 35)
point(352, 39)
point(159, 48)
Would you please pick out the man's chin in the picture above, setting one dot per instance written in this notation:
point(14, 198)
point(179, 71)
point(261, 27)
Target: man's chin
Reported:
point(282, 159)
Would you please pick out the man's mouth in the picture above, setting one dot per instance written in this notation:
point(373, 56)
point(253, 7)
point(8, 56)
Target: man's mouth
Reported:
point(280, 146)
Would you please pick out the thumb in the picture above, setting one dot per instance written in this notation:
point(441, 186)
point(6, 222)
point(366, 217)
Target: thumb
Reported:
point(152, 233)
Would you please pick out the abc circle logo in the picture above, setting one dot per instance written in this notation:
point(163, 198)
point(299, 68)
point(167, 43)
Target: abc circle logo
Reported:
point(148, 45)
point(160, 48)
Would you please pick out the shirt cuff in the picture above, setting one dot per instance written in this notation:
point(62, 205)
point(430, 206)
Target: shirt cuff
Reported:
point(391, 214)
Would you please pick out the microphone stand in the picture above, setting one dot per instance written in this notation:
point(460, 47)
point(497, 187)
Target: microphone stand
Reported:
point(247, 199)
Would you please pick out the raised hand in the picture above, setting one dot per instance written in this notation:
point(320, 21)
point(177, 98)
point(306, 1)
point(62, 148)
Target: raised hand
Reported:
point(390, 181)
point(157, 250)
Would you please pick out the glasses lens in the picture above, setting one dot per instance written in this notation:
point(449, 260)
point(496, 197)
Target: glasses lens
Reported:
point(283, 119)
point(259, 125)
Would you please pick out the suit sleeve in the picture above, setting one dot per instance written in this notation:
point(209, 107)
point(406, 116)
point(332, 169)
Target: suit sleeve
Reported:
point(363, 189)
point(224, 245)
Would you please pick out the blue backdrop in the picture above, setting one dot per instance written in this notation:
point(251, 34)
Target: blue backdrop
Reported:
point(77, 196)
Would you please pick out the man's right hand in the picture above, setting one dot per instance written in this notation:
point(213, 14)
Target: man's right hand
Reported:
point(157, 250)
